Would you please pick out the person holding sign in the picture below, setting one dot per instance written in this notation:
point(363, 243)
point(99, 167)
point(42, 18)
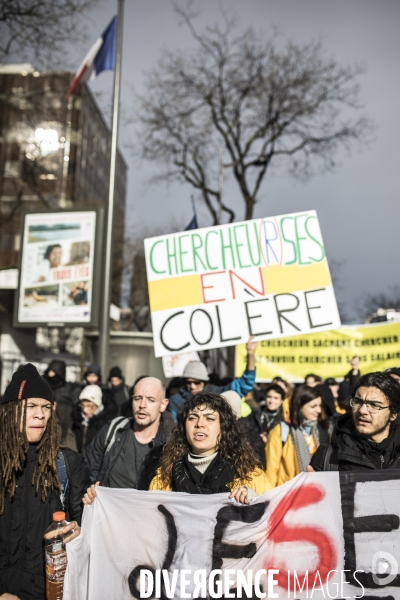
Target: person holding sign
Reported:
point(196, 380)
point(290, 447)
point(208, 453)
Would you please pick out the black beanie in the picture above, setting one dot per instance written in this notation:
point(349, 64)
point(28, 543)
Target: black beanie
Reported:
point(115, 372)
point(27, 383)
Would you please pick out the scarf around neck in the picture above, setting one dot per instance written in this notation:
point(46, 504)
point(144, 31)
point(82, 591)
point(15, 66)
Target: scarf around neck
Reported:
point(300, 444)
point(215, 480)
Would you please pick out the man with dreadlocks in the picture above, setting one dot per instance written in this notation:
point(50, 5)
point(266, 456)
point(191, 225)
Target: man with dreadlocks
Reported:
point(208, 453)
point(31, 484)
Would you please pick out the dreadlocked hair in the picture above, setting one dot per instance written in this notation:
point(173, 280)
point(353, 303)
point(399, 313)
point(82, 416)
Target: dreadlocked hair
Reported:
point(13, 448)
point(232, 445)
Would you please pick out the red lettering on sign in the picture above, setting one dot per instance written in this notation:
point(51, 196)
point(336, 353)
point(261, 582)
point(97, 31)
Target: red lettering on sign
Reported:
point(278, 532)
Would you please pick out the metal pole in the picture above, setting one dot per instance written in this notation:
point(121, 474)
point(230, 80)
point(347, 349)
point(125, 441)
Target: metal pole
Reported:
point(105, 314)
point(220, 181)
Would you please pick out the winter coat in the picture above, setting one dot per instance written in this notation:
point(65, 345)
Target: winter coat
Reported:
point(68, 438)
point(243, 385)
point(257, 480)
point(281, 457)
point(63, 392)
point(120, 393)
point(100, 464)
point(24, 522)
point(84, 434)
point(351, 452)
point(257, 422)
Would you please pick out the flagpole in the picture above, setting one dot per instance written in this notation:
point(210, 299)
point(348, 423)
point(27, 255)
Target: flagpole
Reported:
point(105, 313)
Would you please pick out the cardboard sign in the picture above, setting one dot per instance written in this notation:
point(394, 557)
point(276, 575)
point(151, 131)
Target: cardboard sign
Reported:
point(217, 286)
point(326, 353)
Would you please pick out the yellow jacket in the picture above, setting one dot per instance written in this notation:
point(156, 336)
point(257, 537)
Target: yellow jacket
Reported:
point(282, 463)
point(286, 409)
point(257, 480)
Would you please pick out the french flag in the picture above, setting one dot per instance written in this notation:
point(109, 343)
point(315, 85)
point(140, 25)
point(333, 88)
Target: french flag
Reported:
point(101, 57)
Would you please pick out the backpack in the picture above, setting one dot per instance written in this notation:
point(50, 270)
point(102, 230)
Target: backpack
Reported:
point(285, 430)
point(115, 424)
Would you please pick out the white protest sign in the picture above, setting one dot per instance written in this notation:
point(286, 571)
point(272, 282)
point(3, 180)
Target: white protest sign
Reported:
point(217, 286)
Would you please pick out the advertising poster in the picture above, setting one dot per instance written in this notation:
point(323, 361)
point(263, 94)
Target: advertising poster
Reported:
point(325, 353)
point(219, 285)
point(57, 265)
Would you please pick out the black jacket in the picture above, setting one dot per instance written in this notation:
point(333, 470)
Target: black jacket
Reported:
point(24, 522)
point(258, 421)
point(348, 451)
point(85, 434)
point(63, 392)
point(100, 464)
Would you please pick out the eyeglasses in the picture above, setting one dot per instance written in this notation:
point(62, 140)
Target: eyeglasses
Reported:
point(191, 382)
point(372, 407)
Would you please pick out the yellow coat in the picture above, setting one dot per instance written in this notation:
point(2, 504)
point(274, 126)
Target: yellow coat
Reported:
point(286, 409)
point(257, 480)
point(282, 463)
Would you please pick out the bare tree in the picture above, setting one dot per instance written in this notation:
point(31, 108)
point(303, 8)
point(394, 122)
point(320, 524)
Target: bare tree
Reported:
point(135, 292)
point(388, 299)
point(40, 27)
point(266, 104)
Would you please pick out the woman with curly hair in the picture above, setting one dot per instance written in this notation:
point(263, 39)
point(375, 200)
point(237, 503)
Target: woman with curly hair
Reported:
point(208, 453)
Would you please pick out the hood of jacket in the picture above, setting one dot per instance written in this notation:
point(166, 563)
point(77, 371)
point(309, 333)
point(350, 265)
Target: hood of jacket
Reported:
point(349, 442)
point(60, 369)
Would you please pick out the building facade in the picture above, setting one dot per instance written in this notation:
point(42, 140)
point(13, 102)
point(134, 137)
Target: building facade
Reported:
point(53, 154)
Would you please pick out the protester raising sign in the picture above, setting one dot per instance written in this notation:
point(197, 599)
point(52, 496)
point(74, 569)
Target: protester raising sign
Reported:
point(326, 353)
point(320, 535)
point(217, 286)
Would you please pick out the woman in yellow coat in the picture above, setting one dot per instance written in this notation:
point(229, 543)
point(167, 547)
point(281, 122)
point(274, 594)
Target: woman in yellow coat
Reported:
point(208, 453)
point(289, 448)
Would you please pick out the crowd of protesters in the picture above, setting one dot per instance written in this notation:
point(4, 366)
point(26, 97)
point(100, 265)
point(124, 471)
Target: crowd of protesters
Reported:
point(201, 435)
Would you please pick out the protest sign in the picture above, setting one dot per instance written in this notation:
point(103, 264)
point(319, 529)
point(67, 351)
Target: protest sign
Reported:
point(320, 535)
point(325, 353)
point(218, 286)
point(56, 272)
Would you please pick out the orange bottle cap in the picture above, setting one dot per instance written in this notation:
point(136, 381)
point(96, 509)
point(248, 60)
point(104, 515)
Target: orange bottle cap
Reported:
point(59, 516)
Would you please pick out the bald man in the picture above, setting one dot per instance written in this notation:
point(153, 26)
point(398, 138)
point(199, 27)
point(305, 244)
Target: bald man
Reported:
point(125, 453)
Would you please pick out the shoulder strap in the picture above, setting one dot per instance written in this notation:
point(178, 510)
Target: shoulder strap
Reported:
point(285, 430)
point(116, 423)
point(328, 466)
point(62, 468)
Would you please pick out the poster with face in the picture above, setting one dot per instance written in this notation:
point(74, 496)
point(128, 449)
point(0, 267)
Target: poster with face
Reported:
point(56, 278)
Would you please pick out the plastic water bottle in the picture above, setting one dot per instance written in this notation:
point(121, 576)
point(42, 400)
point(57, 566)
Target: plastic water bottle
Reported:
point(56, 557)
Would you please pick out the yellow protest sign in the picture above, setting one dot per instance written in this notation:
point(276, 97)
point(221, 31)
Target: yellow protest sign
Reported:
point(325, 353)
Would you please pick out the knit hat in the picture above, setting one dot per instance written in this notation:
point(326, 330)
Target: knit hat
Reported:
point(235, 402)
point(93, 369)
point(195, 370)
point(92, 393)
point(115, 372)
point(27, 383)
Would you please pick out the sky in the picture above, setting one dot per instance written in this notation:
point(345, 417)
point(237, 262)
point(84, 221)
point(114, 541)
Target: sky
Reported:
point(358, 203)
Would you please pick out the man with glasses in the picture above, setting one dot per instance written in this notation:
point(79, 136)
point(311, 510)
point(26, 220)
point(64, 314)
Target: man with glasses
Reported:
point(196, 380)
point(369, 436)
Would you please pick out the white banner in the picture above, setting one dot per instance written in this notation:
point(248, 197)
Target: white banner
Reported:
point(219, 285)
point(321, 535)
